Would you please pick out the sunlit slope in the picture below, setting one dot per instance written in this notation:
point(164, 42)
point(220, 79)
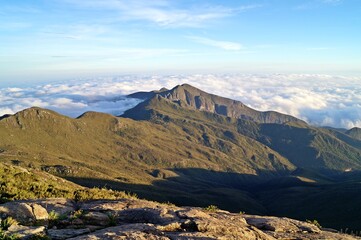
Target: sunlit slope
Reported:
point(303, 145)
point(189, 97)
point(101, 145)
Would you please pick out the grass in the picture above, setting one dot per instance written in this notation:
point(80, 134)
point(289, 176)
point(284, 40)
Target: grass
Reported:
point(7, 222)
point(4, 236)
point(17, 183)
point(112, 219)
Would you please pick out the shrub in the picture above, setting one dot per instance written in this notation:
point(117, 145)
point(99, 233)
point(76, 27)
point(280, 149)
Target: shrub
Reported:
point(314, 222)
point(7, 222)
point(211, 208)
point(4, 236)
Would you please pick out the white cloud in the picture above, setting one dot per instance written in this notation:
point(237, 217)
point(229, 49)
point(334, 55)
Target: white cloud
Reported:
point(225, 45)
point(319, 99)
point(164, 13)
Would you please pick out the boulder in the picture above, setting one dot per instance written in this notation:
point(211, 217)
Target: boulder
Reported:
point(60, 206)
point(25, 231)
point(22, 212)
point(40, 213)
point(96, 218)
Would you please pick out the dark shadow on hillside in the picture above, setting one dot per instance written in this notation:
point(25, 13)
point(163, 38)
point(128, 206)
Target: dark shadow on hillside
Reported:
point(200, 187)
point(266, 194)
point(195, 187)
point(5, 116)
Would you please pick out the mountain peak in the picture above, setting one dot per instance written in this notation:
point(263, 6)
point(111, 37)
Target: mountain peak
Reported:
point(354, 133)
point(190, 97)
point(35, 112)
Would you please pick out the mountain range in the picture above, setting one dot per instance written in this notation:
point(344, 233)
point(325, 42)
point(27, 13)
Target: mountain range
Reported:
point(190, 147)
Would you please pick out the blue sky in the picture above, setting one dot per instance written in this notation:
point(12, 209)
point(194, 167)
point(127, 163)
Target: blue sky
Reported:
point(60, 39)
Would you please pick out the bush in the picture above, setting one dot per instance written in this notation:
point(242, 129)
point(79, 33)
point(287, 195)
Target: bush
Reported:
point(211, 208)
point(314, 222)
point(7, 222)
point(4, 236)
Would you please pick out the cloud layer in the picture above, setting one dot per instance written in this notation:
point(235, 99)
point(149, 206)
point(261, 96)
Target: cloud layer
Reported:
point(319, 99)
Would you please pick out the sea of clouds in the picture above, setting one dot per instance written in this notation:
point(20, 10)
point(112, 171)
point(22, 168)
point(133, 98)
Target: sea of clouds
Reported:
point(321, 100)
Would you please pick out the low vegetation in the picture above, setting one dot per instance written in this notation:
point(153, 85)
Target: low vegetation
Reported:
point(211, 208)
point(19, 183)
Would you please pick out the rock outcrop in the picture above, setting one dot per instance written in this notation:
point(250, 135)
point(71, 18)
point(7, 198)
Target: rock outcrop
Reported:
point(140, 219)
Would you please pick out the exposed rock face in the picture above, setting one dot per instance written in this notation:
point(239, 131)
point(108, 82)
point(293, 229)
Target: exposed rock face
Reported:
point(139, 219)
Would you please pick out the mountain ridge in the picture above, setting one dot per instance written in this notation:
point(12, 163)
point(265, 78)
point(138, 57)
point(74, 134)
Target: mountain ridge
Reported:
point(184, 155)
point(186, 95)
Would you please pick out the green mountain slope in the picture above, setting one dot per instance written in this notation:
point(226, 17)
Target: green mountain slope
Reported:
point(145, 157)
point(174, 151)
point(190, 97)
point(303, 145)
point(28, 183)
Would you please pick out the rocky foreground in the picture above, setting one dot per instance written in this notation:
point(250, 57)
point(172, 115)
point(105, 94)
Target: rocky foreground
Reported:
point(140, 219)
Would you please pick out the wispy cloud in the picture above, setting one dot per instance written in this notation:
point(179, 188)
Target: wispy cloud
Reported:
point(164, 13)
point(225, 45)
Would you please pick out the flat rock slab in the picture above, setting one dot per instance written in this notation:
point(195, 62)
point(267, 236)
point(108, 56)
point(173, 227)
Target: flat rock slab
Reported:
point(58, 205)
point(25, 231)
point(276, 224)
point(96, 218)
point(140, 219)
point(24, 212)
point(136, 231)
point(58, 234)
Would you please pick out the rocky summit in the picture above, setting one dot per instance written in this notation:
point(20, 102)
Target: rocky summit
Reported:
point(139, 219)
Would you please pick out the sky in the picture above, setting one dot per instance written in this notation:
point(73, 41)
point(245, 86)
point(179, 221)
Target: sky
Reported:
point(61, 39)
point(299, 57)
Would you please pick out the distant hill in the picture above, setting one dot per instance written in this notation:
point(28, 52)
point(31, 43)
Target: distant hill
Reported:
point(193, 98)
point(354, 133)
point(303, 145)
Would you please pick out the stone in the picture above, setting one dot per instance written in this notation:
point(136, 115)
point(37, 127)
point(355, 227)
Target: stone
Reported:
point(138, 231)
point(59, 205)
point(77, 221)
point(25, 231)
point(281, 224)
point(22, 212)
point(58, 234)
point(39, 212)
point(102, 205)
point(141, 215)
point(140, 219)
point(96, 218)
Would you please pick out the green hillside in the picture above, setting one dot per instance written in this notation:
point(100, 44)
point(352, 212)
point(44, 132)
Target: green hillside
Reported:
point(174, 151)
point(27, 183)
